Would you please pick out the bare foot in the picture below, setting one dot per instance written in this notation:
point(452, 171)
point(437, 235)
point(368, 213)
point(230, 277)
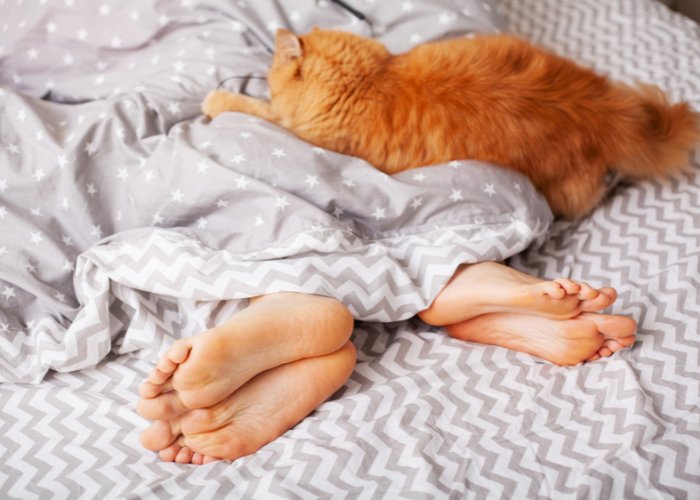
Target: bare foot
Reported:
point(489, 287)
point(257, 413)
point(587, 337)
point(201, 371)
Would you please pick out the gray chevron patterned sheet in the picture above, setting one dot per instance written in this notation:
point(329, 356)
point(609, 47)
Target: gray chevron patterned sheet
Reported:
point(127, 221)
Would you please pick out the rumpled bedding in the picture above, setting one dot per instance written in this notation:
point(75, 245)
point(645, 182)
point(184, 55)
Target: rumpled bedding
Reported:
point(127, 221)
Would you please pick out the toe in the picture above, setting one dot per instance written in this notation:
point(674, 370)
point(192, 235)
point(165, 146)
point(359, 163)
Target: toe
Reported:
point(162, 407)
point(587, 292)
point(179, 351)
point(168, 454)
point(552, 288)
point(612, 326)
point(225, 443)
point(184, 456)
point(159, 435)
point(618, 344)
point(604, 352)
point(603, 300)
point(166, 366)
point(158, 376)
point(151, 390)
point(208, 459)
point(197, 458)
point(570, 286)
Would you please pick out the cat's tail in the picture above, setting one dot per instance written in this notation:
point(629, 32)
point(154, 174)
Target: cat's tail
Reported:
point(656, 137)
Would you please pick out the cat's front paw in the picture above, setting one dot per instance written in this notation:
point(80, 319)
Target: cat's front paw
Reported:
point(217, 102)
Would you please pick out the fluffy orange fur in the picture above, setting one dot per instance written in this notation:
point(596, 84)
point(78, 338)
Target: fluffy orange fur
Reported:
point(492, 98)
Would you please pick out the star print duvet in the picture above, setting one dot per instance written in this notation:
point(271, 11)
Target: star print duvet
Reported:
point(127, 221)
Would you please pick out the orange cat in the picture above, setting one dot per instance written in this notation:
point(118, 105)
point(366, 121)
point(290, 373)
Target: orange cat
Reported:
point(492, 98)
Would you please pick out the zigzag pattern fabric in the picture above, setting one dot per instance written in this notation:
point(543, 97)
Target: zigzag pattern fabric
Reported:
point(423, 415)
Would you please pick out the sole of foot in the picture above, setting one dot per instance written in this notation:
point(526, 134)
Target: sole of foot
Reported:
point(588, 337)
point(200, 371)
point(257, 413)
point(490, 287)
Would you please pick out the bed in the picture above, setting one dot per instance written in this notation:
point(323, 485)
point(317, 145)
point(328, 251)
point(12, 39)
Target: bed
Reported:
point(110, 249)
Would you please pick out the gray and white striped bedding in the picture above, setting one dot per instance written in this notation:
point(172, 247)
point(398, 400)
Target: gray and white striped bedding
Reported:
point(127, 221)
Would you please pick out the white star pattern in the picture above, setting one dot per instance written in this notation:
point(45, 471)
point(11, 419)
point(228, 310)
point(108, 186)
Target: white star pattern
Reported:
point(419, 177)
point(416, 202)
point(202, 167)
point(202, 223)
point(91, 148)
point(91, 190)
point(446, 18)
point(222, 203)
point(456, 195)
point(489, 189)
point(242, 183)
point(157, 219)
point(3, 185)
point(174, 108)
point(36, 238)
point(123, 174)
point(9, 292)
point(3, 212)
point(311, 181)
point(177, 196)
point(67, 240)
point(279, 153)
point(259, 221)
point(281, 202)
point(349, 183)
point(68, 266)
point(379, 213)
point(238, 159)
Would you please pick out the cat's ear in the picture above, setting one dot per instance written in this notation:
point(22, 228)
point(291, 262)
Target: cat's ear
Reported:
point(287, 45)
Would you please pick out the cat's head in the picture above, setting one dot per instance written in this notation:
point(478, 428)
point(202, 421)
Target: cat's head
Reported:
point(320, 61)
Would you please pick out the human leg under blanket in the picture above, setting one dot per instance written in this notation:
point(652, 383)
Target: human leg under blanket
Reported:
point(491, 303)
point(231, 377)
point(227, 392)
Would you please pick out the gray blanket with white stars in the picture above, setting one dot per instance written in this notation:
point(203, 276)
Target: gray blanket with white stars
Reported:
point(127, 220)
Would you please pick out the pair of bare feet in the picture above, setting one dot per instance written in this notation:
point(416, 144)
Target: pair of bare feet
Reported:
point(227, 392)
